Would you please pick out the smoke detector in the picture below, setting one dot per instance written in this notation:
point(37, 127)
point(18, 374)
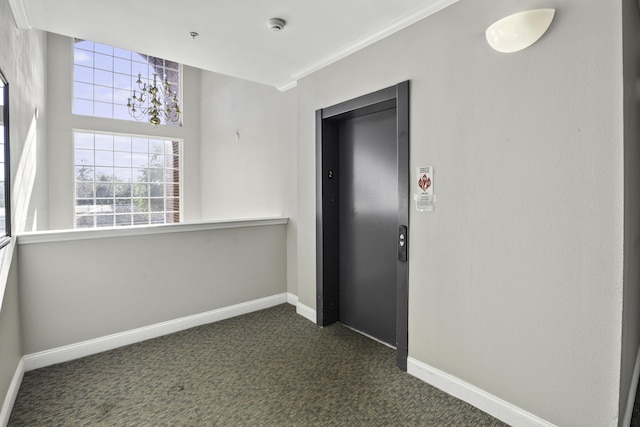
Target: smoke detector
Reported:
point(276, 24)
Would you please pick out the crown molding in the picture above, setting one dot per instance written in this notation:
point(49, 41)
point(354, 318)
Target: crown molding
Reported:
point(292, 84)
point(396, 26)
point(20, 14)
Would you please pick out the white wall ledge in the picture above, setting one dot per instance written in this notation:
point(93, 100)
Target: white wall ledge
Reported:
point(103, 233)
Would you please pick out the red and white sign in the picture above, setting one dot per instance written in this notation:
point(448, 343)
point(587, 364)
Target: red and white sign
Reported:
point(425, 180)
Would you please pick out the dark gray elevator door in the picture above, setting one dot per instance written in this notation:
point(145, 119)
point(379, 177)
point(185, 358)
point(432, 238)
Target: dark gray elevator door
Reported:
point(368, 224)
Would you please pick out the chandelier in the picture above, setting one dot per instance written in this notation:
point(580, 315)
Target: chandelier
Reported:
point(155, 101)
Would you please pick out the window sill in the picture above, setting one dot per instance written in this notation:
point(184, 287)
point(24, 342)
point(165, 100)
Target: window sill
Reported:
point(102, 233)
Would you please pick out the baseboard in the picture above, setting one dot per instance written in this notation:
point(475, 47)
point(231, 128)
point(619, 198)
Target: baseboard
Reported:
point(471, 394)
point(632, 392)
point(12, 394)
point(292, 299)
point(98, 345)
point(306, 312)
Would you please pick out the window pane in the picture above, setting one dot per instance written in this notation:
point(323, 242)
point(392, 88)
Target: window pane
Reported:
point(102, 110)
point(110, 75)
point(123, 189)
point(103, 48)
point(84, 173)
point(83, 140)
point(156, 175)
point(103, 62)
point(83, 90)
point(156, 218)
point(140, 145)
point(139, 160)
point(84, 157)
point(104, 221)
point(122, 143)
point(121, 53)
point(103, 78)
point(110, 185)
point(123, 206)
point(122, 159)
point(123, 220)
point(123, 67)
point(140, 219)
point(140, 205)
point(156, 160)
point(84, 190)
point(83, 74)
point(104, 94)
point(171, 190)
point(83, 107)
point(156, 190)
point(103, 189)
point(122, 174)
point(83, 57)
point(121, 97)
point(141, 190)
point(84, 221)
point(171, 205)
point(104, 158)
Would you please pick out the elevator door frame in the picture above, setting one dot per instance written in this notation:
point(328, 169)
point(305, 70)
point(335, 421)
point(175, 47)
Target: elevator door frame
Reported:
point(327, 206)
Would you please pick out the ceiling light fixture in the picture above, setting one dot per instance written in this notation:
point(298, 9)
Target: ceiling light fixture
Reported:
point(520, 30)
point(155, 101)
point(276, 24)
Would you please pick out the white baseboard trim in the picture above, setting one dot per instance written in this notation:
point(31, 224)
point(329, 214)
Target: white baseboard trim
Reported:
point(471, 394)
point(109, 342)
point(306, 312)
point(292, 299)
point(633, 389)
point(12, 393)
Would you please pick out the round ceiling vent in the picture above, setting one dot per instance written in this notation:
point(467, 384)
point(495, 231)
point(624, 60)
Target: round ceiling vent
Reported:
point(276, 24)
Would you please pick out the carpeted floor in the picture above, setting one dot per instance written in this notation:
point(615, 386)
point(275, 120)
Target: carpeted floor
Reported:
point(269, 368)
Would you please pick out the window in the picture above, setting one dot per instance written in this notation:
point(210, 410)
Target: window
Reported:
point(123, 180)
point(105, 78)
point(5, 174)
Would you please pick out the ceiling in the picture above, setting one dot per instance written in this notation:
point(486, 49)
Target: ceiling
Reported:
point(234, 38)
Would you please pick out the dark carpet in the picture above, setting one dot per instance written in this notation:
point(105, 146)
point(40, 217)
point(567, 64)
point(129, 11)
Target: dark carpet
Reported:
point(269, 368)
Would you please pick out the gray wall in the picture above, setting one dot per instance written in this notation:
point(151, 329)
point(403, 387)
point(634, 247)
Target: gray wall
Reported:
point(72, 291)
point(516, 278)
point(255, 175)
point(631, 308)
point(10, 340)
point(22, 60)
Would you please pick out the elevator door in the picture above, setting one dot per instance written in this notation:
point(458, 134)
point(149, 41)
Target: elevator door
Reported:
point(368, 223)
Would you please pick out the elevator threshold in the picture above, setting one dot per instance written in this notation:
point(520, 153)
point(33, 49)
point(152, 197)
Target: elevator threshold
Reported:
point(368, 336)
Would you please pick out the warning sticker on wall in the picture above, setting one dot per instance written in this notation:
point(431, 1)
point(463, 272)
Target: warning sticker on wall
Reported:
point(425, 180)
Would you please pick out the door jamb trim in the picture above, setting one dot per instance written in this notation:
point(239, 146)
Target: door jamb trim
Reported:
point(395, 96)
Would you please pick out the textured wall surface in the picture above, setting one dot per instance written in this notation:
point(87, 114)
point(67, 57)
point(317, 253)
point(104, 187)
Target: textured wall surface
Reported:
point(516, 278)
